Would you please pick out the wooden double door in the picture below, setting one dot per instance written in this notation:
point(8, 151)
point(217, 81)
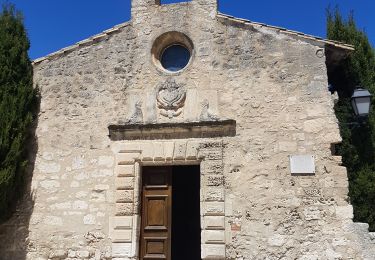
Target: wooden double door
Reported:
point(170, 227)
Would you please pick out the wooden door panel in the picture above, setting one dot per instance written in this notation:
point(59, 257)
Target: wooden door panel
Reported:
point(157, 178)
point(156, 213)
point(156, 248)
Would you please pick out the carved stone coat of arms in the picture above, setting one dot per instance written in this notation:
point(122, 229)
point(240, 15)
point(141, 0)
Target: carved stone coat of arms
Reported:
point(171, 98)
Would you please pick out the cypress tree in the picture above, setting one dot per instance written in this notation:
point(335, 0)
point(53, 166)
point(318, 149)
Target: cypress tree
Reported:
point(357, 148)
point(17, 100)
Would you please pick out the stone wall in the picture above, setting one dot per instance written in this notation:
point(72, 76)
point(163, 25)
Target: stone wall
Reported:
point(272, 84)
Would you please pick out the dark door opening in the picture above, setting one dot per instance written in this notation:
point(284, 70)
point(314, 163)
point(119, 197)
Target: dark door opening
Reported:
point(186, 229)
point(170, 226)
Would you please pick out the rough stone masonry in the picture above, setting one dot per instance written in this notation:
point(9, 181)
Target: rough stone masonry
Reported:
point(85, 194)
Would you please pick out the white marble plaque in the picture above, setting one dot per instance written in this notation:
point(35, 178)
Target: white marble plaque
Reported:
point(302, 164)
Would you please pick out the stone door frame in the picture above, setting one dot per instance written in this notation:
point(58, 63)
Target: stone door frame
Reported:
point(124, 225)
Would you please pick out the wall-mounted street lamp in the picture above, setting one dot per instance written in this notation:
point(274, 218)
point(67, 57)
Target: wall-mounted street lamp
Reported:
point(361, 102)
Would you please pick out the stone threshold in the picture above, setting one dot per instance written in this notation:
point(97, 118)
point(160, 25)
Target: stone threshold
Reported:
point(205, 129)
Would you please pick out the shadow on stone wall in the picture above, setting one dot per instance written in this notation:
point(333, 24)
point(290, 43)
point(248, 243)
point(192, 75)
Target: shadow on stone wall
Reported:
point(14, 233)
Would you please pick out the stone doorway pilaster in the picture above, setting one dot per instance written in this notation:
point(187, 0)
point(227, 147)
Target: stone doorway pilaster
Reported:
point(131, 155)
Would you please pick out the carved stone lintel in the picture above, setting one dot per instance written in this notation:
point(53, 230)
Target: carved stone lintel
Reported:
point(171, 98)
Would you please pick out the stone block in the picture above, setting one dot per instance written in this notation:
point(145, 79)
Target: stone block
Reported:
point(299, 137)
point(179, 150)
point(212, 251)
point(214, 236)
point(311, 256)
point(121, 249)
point(131, 147)
point(123, 222)
point(214, 155)
point(124, 183)
point(214, 208)
point(316, 111)
point(61, 206)
point(120, 236)
point(288, 146)
point(123, 196)
point(168, 150)
point(80, 205)
point(276, 240)
point(127, 158)
point(53, 221)
point(214, 222)
point(339, 170)
point(101, 187)
point(214, 180)
point(124, 209)
point(79, 162)
point(341, 181)
point(192, 150)
point(314, 125)
point(58, 254)
point(83, 253)
point(159, 151)
point(212, 167)
point(337, 159)
point(329, 182)
point(312, 213)
point(106, 161)
point(126, 147)
point(330, 137)
point(344, 212)
point(215, 194)
point(147, 151)
point(306, 182)
point(191, 112)
point(72, 253)
point(50, 185)
point(89, 219)
point(48, 167)
point(124, 170)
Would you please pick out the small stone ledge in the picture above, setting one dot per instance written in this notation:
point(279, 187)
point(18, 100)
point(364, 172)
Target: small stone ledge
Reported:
point(209, 129)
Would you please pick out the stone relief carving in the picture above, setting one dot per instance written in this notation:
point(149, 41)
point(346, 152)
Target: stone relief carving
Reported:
point(171, 98)
point(136, 116)
point(207, 114)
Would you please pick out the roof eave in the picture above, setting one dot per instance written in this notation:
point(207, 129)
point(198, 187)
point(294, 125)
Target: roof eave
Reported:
point(86, 42)
point(302, 36)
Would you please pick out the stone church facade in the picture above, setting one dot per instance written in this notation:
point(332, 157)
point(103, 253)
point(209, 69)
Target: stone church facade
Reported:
point(250, 113)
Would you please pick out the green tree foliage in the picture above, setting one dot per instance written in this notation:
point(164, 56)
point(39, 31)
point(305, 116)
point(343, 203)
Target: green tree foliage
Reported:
point(17, 100)
point(358, 144)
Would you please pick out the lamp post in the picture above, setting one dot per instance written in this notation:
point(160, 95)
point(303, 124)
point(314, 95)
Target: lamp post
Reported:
point(361, 102)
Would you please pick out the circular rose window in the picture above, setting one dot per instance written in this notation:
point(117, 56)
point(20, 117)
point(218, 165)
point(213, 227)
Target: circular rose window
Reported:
point(175, 57)
point(172, 52)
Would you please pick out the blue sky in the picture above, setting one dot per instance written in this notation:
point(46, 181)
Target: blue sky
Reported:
point(55, 24)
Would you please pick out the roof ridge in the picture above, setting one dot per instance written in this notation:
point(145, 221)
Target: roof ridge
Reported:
point(290, 32)
point(85, 42)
